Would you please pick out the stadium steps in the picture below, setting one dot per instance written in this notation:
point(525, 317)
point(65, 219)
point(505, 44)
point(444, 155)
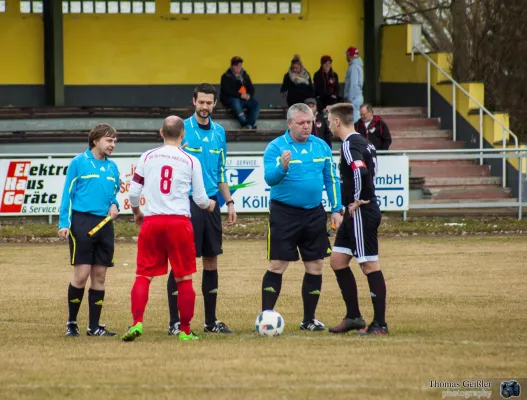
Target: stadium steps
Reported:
point(461, 181)
point(458, 181)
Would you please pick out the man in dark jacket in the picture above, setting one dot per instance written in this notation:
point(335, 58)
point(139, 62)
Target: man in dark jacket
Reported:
point(237, 93)
point(320, 125)
point(326, 84)
point(373, 128)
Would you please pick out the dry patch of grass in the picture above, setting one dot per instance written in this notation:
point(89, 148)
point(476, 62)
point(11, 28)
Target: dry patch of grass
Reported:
point(456, 310)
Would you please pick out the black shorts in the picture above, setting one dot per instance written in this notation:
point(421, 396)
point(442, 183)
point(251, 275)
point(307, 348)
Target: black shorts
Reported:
point(357, 235)
point(95, 250)
point(292, 229)
point(207, 230)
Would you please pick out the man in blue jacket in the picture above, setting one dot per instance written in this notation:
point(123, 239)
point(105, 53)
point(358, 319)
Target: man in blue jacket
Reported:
point(89, 196)
point(354, 81)
point(297, 166)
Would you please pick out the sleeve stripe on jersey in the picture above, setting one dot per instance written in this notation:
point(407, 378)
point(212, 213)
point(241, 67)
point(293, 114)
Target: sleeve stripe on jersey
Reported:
point(347, 153)
point(138, 179)
point(151, 151)
point(222, 166)
point(191, 162)
point(358, 183)
point(333, 183)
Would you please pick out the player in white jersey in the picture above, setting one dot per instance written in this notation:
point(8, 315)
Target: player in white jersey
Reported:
point(164, 176)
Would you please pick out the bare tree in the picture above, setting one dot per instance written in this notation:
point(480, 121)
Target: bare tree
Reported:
point(488, 41)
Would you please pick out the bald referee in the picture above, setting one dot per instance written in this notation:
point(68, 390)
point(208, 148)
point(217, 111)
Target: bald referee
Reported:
point(297, 167)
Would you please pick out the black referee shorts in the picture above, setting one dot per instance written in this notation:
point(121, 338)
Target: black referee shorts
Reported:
point(207, 230)
point(292, 229)
point(95, 250)
point(357, 235)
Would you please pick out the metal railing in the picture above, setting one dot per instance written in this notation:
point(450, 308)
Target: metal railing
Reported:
point(468, 154)
point(481, 107)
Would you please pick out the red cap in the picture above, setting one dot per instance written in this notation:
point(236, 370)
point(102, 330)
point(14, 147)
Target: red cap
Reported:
point(352, 51)
point(325, 59)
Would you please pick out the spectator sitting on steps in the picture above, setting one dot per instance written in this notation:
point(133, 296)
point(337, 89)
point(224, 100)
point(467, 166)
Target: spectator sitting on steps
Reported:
point(373, 128)
point(237, 93)
point(297, 83)
point(320, 127)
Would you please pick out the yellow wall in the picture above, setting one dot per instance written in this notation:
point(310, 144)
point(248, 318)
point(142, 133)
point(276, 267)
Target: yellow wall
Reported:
point(21, 47)
point(164, 48)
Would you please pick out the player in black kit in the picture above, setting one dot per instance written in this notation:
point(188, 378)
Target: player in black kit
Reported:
point(357, 235)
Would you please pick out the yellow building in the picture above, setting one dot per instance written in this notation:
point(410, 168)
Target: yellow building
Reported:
point(156, 57)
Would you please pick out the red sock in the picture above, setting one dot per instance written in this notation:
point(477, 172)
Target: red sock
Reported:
point(186, 300)
point(139, 297)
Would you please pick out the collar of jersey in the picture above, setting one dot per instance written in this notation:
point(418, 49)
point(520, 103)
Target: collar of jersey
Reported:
point(290, 140)
point(194, 124)
point(89, 154)
point(351, 133)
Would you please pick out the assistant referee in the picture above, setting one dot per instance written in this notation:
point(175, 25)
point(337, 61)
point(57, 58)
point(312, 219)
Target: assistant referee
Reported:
point(297, 167)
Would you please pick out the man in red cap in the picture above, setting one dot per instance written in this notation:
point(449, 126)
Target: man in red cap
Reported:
point(326, 84)
point(354, 81)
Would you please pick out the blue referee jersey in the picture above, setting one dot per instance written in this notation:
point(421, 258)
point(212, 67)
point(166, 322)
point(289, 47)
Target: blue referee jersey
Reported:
point(91, 186)
point(310, 169)
point(210, 148)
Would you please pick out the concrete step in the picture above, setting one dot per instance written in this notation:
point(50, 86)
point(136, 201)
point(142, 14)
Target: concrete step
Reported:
point(439, 163)
point(463, 211)
point(425, 144)
point(471, 194)
point(449, 170)
point(462, 201)
point(431, 182)
point(421, 134)
point(399, 111)
point(406, 124)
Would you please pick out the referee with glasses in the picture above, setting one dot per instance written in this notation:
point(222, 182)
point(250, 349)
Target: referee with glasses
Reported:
point(297, 167)
point(88, 198)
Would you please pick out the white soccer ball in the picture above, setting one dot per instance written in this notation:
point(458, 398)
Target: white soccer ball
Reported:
point(269, 323)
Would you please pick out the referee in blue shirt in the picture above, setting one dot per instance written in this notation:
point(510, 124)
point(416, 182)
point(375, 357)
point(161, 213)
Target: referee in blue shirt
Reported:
point(89, 196)
point(297, 167)
point(205, 140)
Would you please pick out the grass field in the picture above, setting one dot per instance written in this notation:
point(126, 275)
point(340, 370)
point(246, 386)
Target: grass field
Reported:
point(457, 310)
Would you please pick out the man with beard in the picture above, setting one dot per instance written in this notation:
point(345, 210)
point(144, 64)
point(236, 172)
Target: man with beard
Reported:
point(205, 140)
point(88, 206)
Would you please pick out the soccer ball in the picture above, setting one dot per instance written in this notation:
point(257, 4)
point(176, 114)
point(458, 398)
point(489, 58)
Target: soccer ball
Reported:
point(269, 323)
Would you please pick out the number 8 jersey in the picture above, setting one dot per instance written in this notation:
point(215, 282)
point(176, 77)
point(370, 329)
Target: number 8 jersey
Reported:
point(164, 176)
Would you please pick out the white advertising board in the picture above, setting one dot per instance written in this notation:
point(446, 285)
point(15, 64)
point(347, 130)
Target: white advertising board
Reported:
point(34, 186)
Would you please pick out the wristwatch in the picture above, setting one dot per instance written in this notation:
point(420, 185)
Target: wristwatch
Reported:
point(230, 202)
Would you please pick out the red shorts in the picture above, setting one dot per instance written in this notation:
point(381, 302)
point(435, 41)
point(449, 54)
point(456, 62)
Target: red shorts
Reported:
point(163, 238)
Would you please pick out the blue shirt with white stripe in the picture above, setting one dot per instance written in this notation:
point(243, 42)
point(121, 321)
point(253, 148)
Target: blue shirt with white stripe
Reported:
point(310, 169)
point(91, 186)
point(209, 146)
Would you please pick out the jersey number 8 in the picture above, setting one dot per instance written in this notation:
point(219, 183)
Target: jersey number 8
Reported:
point(166, 179)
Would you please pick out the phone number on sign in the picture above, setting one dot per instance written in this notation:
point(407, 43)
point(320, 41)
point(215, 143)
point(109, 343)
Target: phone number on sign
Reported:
point(385, 201)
